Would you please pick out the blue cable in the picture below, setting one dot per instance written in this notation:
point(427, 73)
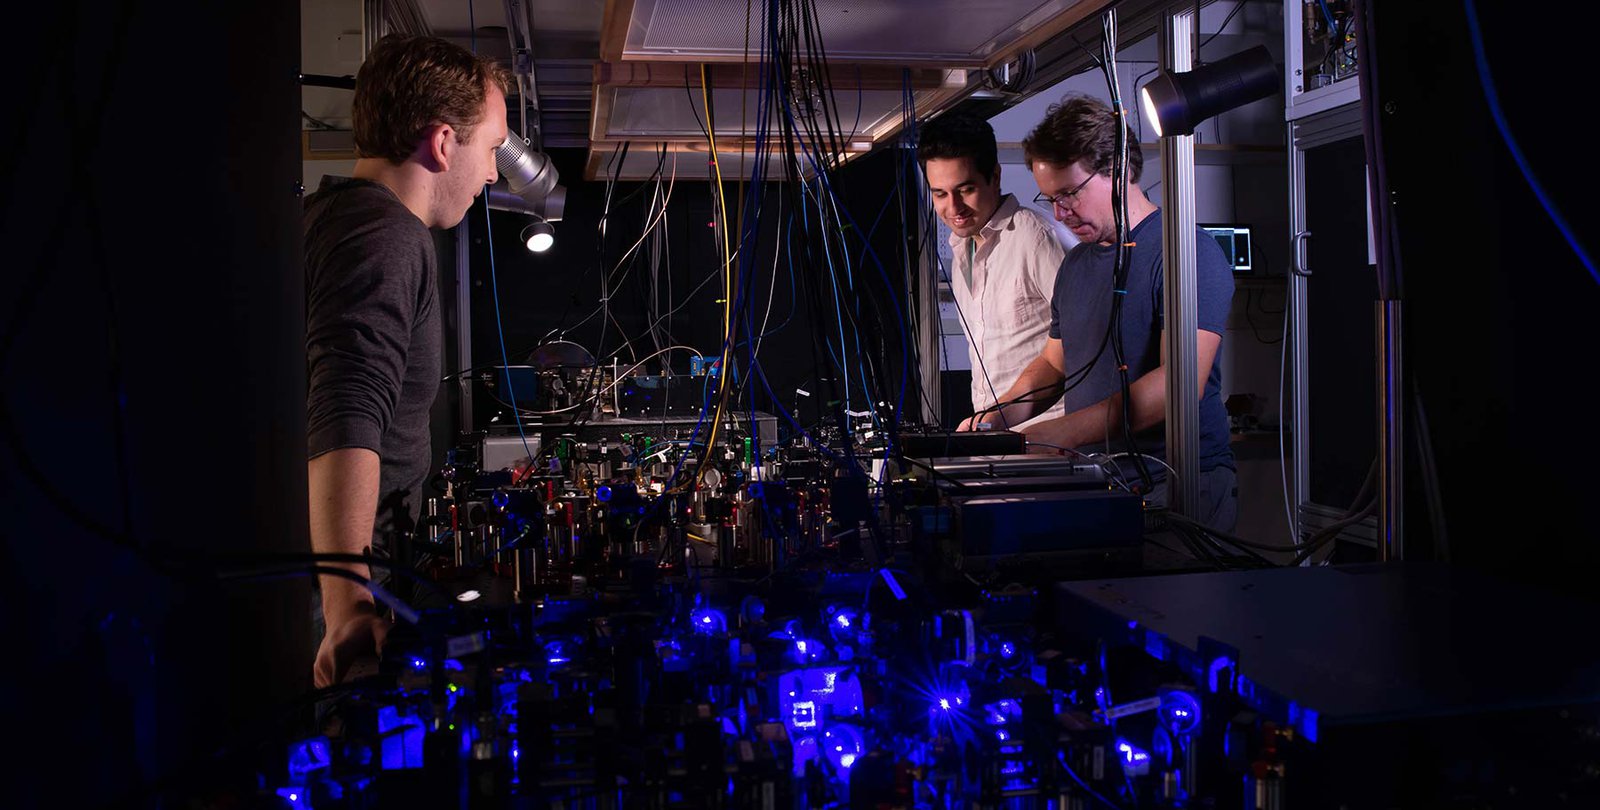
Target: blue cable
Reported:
point(1332, 26)
point(494, 285)
point(878, 263)
point(842, 365)
point(839, 358)
point(499, 326)
point(753, 200)
point(824, 185)
point(1060, 757)
point(861, 258)
point(850, 286)
point(1516, 152)
point(838, 311)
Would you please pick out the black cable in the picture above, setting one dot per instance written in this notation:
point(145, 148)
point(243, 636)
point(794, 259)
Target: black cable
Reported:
point(1199, 550)
point(316, 123)
point(399, 607)
point(1266, 311)
point(59, 500)
point(334, 82)
point(1332, 531)
point(290, 570)
point(1205, 549)
point(226, 563)
point(1215, 538)
point(1220, 28)
point(1025, 396)
point(85, 137)
point(1120, 267)
point(1255, 331)
point(1232, 539)
point(689, 91)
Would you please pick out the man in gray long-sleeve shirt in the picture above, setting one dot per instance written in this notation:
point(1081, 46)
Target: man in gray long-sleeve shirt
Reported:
point(429, 116)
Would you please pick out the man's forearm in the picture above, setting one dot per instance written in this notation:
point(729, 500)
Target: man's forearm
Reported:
point(1094, 423)
point(1036, 388)
point(344, 500)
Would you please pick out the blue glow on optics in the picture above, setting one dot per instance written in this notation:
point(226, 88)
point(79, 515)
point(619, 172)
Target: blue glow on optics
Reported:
point(401, 739)
point(894, 585)
point(556, 653)
point(807, 698)
point(296, 797)
point(1001, 735)
point(809, 649)
point(1002, 712)
point(752, 609)
point(1134, 760)
point(842, 745)
point(805, 750)
point(843, 622)
point(708, 621)
point(945, 702)
point(1007, 649)
point(1216, 668)
point(804, 714)
point(602, 493)
point(306, 757)
point(1179, 711)
point(1304, 718)
point(1132, 754)
point(418, 663)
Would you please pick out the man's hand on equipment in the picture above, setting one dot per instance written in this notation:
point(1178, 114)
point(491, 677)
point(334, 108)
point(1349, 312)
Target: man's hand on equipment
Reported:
point(356, 634)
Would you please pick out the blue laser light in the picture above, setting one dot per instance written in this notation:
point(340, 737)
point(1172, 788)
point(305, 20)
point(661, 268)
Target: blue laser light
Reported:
point(842, 745)
point(708, 621)
point(1180, 711)
point(804, 714)
point(1135, 761)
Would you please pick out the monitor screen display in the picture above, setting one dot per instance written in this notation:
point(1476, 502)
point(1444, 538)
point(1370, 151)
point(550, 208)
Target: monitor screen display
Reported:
point(1235, 242)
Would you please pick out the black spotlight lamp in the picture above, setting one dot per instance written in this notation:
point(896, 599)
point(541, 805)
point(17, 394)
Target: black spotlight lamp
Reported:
point(539, 236)
point(1175, 103)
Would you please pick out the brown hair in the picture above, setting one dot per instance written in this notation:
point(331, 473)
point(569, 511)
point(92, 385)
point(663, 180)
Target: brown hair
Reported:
point(1081, 128)
point(408, 84)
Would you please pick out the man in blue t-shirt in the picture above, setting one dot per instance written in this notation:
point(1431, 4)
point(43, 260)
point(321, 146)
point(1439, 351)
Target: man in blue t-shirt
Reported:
point(1070, 154)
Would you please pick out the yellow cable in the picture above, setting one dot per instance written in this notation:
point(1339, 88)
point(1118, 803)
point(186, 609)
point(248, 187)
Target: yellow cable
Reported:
point(727, 278)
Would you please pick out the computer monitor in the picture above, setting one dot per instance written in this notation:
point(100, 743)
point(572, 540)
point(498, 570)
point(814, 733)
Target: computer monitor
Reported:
point(1235, 242)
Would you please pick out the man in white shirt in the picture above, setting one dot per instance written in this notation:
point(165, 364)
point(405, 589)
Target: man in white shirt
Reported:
point(1005, 257)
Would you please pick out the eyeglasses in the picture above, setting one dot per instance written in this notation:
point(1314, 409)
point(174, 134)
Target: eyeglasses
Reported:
point(1065, 199)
